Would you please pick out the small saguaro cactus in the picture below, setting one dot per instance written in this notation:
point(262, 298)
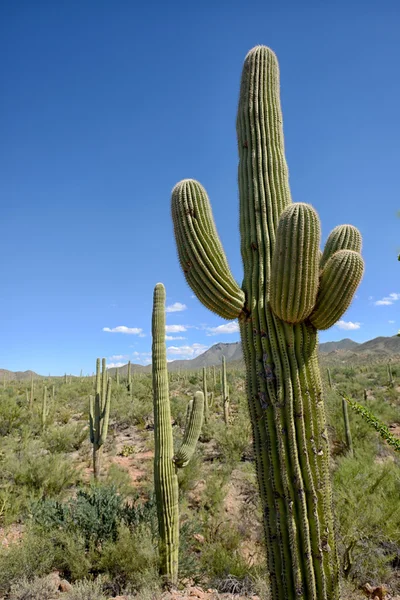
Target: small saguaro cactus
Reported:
point(225, 392)
point(329, 377)
point(31, 394)
point(99, 414)
point(206, 411)
point(44, 408)
point(165, 462)
point(129, 384)
point(290, 290)
point(347, 429)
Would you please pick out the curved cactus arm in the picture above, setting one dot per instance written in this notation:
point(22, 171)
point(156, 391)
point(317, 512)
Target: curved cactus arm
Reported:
point(192, 431)
point(105, 415)
point(200, 251)
point(338, 283)
point(295, 263)
point(342, 237)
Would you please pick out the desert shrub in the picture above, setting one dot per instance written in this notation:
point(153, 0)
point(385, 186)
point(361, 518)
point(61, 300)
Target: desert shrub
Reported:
point(39, 588)
point(86, 590)
point(68, 438)
point(45, 474)
point(131, 560)
point(31, 557)
point(366, 495)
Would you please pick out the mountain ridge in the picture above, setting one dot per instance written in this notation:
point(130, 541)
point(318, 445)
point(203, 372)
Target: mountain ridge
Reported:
point(377, 348)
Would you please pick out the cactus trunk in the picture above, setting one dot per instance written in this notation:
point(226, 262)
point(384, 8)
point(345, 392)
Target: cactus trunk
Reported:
point(165, 473)
point(99, 415)
point(347, 429)
point(206, 411)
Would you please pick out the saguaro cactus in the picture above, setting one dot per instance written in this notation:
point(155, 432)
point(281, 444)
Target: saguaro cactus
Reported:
point(99, 414)
point(225, 392)
point(206, 411)
point(289, 291)
point(165, 462)
point(129, 385)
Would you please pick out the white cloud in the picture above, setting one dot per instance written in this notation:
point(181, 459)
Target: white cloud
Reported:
point(186, 351)
point(124, 329)
point(119, 357)
point(392, 322)
point(231, 327)
point(113, 365)
point(348, 325)
point(175, 328)
point(174, 337)
point(176, 307)
point(142, 358)
point(387, 300)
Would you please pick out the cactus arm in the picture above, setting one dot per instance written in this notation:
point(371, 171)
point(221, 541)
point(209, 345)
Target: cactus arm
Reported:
point(295, 263)
point(103, 384)
point(342, 237)
point(200, 251)
point(91, 419)
point(165, 477)
point(105, 415)
point(192, 431)
point(339, 280)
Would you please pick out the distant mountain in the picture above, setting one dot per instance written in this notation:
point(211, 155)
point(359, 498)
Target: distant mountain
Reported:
point(345, 344)
point(379, 348)
point(17, 375)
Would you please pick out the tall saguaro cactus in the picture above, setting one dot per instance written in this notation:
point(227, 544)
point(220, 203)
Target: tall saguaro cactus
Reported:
point(99, 415)
point(225, 392)
point(165, 462)
point(290, 289)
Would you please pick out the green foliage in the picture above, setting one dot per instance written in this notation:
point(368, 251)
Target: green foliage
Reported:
point(86, 590)
point(39, 588)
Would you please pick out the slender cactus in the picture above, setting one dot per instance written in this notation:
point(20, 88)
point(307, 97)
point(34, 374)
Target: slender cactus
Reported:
point(31, 396)
point(329, 378)
point(206, 411)
point(165, 462)
point(44, 408)
point(99, 414)
point(128, 387)
point(347, 429)
point(225, 392)
point(117, 375)
point(289, 291)
point(390, 375)
point(214, 378)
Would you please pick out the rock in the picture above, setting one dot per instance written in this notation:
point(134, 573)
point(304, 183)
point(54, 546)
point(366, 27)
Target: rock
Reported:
point(64, 586)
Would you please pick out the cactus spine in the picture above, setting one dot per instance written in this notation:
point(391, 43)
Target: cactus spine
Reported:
point(165, 462)
point(99, 414)
point(285, 298)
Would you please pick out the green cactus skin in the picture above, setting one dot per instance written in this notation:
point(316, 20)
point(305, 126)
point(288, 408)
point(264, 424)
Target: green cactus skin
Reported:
point(99, 415)
point(390, 375)
point(283, 380)
point(347, 429)
point(225, 392)
point(206, 411)
point(128, 387)
point(193, 426)
point(117, 375)
point(31, 394)
point(214, 378)
point(165, 463)
point(329, 378)
point(44, 408)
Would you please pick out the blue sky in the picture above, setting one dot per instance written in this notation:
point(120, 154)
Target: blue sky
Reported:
point(106, 105)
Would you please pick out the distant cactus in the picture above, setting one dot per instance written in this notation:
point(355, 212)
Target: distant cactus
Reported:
point(329, 378)
point(99, 414)
point(206, 411)
point(117, 375)
point(225, 392)
point(44, 408)
point(165, 462)
point(347, 429)
point(390, 375)
point(129, 385)
point(289, 291)
point(31, 394)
